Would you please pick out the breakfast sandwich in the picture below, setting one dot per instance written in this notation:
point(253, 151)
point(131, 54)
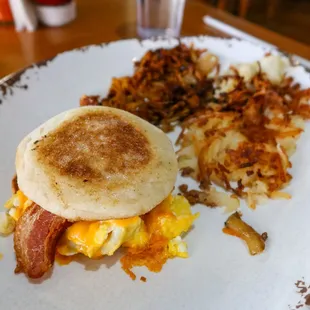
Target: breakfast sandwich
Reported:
point(90, 181)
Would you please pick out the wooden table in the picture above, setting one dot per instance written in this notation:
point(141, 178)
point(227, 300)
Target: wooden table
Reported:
point(107, 20)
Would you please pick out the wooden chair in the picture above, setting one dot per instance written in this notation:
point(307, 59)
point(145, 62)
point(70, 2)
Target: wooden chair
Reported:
point(244, 6)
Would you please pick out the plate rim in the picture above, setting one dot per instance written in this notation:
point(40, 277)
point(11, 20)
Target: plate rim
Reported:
point(10, 80)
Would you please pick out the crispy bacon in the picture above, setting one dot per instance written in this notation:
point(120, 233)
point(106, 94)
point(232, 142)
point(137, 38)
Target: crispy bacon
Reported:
point(89, 100)
point(35, 238)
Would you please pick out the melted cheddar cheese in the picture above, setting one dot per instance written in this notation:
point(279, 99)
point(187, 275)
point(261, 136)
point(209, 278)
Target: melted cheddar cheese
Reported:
point(95, 239)
point(149, 240)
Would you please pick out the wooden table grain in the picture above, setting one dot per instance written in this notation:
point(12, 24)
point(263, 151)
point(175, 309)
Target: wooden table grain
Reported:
point(106, 20)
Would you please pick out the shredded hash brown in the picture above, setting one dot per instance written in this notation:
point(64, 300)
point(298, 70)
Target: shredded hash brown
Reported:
point(166, 87)
point(244, 142)
point(239, 128)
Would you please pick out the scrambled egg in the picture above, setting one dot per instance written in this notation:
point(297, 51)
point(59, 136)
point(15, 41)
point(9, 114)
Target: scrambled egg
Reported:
point(7, 224)
point(148, 240)
point(95, 239)
point(16, 206)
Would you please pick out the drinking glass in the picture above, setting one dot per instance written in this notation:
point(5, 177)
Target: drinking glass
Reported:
point(159, 18)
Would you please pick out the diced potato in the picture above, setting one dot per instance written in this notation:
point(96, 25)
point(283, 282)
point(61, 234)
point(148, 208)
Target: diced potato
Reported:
point(274, 67)
point(207, 62)
point(235, 226)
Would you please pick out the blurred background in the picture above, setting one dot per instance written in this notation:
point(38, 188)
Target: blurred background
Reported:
point(34, 30)
point(287, 17)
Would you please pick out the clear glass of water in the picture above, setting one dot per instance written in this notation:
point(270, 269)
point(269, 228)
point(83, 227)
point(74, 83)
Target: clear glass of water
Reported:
point(159, 18)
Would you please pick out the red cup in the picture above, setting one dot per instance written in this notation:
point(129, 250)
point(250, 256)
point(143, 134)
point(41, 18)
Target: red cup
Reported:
point(5, 11)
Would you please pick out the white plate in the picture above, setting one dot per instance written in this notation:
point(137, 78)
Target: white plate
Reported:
point(220, 274)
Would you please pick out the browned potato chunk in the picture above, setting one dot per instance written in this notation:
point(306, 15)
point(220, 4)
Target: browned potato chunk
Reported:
point(235, 226)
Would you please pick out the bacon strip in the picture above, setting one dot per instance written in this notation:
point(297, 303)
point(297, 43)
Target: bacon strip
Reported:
point(35, 238)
